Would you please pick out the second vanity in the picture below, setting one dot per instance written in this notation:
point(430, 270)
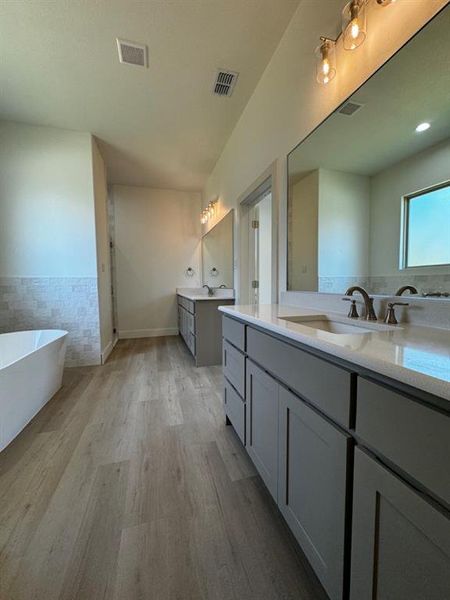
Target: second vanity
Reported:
point(348, 425)
point(199, 322)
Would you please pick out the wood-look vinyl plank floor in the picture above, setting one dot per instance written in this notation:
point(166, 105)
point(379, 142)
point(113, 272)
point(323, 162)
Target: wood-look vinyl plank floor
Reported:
point(129, 486)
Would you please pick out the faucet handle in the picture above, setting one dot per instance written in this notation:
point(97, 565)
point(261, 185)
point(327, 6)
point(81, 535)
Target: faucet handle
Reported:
point(390, 317)
point(353, 312)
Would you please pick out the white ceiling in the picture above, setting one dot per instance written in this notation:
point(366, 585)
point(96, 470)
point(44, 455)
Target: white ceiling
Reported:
point(160, 126)
point(413, 87)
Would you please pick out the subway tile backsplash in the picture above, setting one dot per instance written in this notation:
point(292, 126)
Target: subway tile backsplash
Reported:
point(387, 284)
point(69, 303)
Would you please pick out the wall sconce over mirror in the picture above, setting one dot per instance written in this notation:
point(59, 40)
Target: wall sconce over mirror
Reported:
point(354, 33)
point(208, 212)
point(354, 24)
point(326, 60)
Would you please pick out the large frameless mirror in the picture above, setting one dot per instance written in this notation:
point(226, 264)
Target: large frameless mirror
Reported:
point(369, 189)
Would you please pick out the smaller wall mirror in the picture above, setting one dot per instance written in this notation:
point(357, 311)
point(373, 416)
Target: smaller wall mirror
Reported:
point(217, 254)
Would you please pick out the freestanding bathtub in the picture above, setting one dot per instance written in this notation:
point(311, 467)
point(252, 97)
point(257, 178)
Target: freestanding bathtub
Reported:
point(31, 368)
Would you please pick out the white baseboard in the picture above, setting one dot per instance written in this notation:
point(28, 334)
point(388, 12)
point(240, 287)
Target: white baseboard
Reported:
point(127, 334)
point(109, 348)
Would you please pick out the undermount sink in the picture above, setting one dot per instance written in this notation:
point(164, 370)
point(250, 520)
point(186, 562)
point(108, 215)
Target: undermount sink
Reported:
point(329, 325)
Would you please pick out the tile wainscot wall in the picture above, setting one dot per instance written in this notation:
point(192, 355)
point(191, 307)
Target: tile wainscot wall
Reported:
point(69, 303)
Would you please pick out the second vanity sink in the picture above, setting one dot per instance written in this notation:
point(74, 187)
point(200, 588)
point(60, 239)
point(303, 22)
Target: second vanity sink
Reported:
point(332, 325)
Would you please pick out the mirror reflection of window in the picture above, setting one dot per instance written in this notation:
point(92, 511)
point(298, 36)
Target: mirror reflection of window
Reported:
point(427, 228)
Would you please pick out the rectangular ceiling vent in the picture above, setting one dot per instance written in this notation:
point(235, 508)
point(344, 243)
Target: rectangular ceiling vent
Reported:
point(132, 54)
point(225, 82)
point(349, 108)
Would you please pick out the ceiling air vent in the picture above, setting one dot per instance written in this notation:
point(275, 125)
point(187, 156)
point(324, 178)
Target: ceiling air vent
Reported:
point(225, 82)
point(349, 108)
point(132, 54)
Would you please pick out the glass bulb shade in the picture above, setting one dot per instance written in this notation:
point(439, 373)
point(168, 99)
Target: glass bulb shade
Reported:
point(325, 61)
point(354, 24)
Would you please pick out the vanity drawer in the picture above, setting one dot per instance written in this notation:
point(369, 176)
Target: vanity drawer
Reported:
point(411, 435)
point(316, 380)
point(191, 341)
point(234, 367)
point(234, 331)
point(190, 320)
point(235, 410)
point(187, 304)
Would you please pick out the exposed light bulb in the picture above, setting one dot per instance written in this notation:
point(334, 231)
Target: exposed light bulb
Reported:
point(325, 69)
point(354, 29)
point(354, 24)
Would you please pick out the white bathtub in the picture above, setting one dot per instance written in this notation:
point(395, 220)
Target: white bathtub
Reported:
point(31, 368)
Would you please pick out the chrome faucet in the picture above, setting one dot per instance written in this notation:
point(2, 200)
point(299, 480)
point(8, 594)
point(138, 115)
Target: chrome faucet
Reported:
point(368, 301)
point(210, 290)
point(406, 288)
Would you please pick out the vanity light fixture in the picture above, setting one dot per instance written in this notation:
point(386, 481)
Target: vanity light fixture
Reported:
point(354, 32)
point(326, 60)
point(208, 212)
point(354, 27)
point(422, 127)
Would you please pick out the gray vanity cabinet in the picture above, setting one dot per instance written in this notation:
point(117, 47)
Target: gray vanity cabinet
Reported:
point(358, 467)
point(200, 326)
point(262, 424)
point(400, 541)
point(312, 488)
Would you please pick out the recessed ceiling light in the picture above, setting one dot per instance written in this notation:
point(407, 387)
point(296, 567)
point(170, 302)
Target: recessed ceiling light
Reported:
point(422, 127)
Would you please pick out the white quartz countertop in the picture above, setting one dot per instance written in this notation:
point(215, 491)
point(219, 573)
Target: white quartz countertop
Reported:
point(416, 355)
point(202, 294)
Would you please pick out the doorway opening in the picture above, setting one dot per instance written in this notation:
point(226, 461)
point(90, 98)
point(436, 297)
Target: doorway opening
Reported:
point(257, 239)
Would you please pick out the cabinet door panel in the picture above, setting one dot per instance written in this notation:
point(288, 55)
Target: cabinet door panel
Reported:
point(400, 542)
point(312, 487)
point(262, 425)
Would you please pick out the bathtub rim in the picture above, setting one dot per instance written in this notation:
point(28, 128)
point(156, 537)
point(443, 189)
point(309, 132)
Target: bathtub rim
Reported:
point(63, 334)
